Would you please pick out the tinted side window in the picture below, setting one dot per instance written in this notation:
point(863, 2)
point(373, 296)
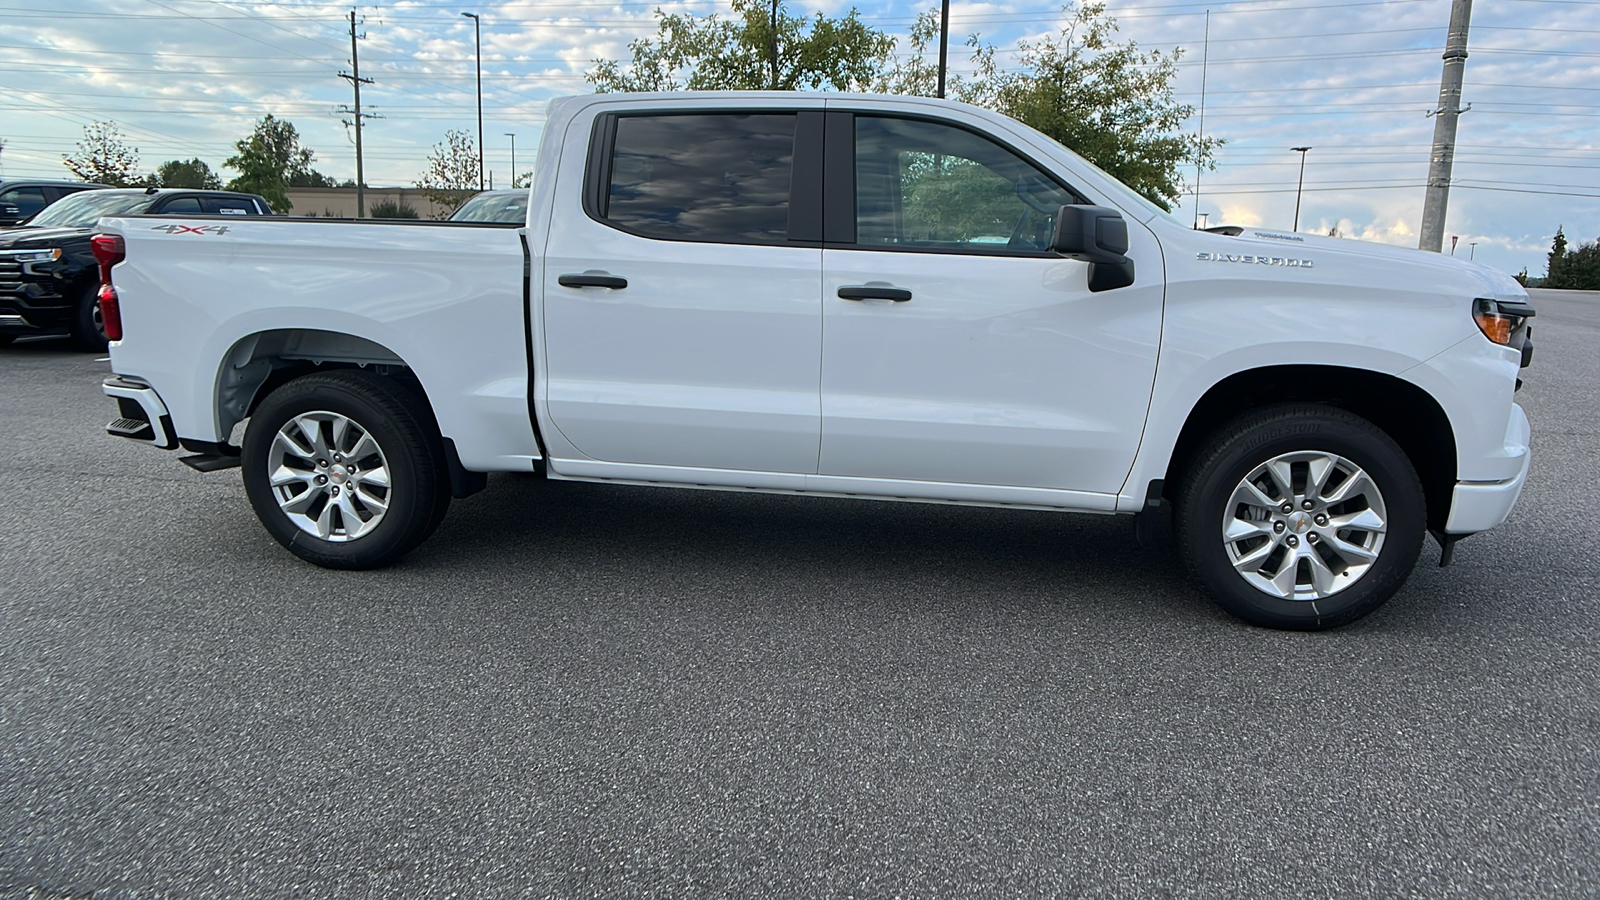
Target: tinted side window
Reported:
point(720, 177)
point(926, 185)
point(228, 206)
point(27, 200)
point(181, 205)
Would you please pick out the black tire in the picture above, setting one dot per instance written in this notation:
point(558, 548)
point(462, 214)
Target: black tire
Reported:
point(6, 339)
point(1236, 451)
point(86, 328)
point(399, 421)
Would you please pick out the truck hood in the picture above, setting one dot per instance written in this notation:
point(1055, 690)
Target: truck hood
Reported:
point(1450, 272)
point(26, 238)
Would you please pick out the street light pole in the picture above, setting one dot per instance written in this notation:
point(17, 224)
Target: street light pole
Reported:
point(477, 39)
point(1301, 186)
point(513, 137)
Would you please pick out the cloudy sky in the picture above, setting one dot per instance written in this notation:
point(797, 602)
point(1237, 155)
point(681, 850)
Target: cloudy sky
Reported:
point(1353, 79)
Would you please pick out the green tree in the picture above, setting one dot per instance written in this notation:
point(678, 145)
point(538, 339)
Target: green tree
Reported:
point(1573, 270)
point(104, 157)
point(1111, 103)
point(452, 173)
point(271, 160)
point(1558, 256)
point(192, 174)
point(745, 53)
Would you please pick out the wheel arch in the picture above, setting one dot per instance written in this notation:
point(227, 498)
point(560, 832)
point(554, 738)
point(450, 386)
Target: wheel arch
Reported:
point(1407, 413)
point(260, 363)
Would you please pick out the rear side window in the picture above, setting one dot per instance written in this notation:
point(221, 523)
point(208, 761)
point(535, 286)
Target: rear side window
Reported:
point(181, 205)
point(720, 177)
point(28, 200)
point(228, 206)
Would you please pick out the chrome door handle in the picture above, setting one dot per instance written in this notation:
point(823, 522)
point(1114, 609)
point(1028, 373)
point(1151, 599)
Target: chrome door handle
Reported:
point(874, 292)
point(593, 279)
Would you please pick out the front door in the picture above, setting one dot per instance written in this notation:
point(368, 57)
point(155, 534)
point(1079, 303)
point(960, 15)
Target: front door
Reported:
point(682, 322)
point(956, 347)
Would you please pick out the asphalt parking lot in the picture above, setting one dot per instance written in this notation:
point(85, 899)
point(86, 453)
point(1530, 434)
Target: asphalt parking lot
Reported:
point(579, 690)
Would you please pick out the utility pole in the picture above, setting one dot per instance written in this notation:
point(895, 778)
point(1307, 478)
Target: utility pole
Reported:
point(944, 41)
point(1437, 199)
point(513, 136)
point(773, 23)
point(1205, 60)
point(356, 81)
point(477, 39)
point(1301, 186)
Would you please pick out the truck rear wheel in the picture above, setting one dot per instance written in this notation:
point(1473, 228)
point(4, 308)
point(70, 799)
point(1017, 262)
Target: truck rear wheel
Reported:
point(345, 469)
point(1301, 517)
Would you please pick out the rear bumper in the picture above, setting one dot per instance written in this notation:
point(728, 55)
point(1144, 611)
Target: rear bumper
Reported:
point(1479, 506)
point(141, 414)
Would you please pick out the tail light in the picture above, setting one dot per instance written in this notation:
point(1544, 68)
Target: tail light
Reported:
point(109, 250)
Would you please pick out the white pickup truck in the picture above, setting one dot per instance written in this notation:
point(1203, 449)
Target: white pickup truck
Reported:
point(861, 296)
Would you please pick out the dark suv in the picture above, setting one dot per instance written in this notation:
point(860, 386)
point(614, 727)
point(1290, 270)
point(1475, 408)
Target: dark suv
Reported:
point(49, 281)
point(21, 199)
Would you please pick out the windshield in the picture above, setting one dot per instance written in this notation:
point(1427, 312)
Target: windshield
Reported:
point(506, 207)
point(83, 209)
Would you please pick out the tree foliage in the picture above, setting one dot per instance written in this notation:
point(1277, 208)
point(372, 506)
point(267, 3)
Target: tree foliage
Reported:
point(104, 157)
point(271, 160)
point(1111, 102)
point(452, 173)
point(1573, 270)
point(194, 173)
point(744, 52)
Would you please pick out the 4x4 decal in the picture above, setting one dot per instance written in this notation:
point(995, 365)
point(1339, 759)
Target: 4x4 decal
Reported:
point(192, 229)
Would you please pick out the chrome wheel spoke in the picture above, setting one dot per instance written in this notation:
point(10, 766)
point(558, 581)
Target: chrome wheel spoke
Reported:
point(1239, 529)
point(1354, 554)
point(286, 443)
point(378, 477)
point(1250, 563)
point(1317, 482)
point(296, 505)
point(1323, 579)
point(1278, 470)
point(1250, 495)
point(364, 447)
point(370, 500)
point(1283, 581)
point(284, 476)
point(1357, 485)
point(1365, 520)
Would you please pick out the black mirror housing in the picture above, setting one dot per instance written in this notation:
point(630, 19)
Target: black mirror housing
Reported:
point(1090, 233)
point(1099, 236)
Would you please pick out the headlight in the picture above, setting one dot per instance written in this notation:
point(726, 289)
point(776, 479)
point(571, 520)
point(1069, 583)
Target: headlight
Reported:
point(1500, 319)
point(34, 256)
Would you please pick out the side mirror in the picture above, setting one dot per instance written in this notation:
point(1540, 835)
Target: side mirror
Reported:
point(1098, 236)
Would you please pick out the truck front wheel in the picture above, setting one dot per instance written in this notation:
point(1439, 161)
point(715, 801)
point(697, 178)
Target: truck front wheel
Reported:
point(345, 469)
point(1301, 517)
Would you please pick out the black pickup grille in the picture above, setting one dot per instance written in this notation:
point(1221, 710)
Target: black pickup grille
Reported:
point(10, 276)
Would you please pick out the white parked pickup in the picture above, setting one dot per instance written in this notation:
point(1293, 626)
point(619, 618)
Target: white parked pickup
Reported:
point(884, 297)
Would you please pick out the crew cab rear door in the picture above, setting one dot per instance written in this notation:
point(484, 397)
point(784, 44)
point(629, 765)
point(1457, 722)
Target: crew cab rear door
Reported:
point(682, 317)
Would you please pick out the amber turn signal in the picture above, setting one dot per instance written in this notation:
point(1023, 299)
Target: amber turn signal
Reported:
point(1495, 326)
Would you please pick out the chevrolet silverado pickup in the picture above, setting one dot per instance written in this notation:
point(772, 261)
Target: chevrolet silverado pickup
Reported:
point(858, 296)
